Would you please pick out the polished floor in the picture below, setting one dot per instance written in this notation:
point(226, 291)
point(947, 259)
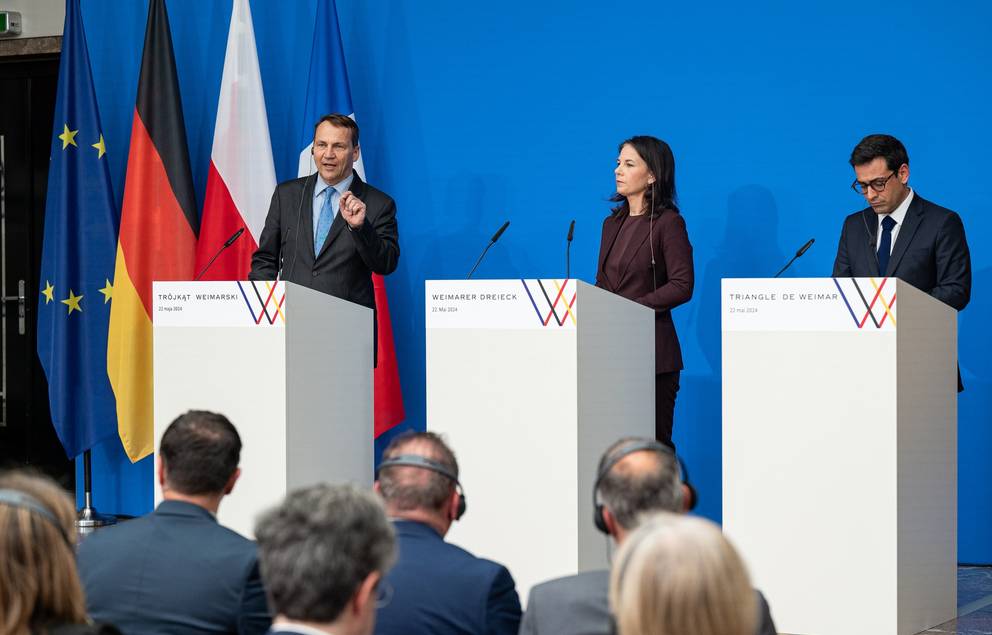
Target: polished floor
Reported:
point(974, 603)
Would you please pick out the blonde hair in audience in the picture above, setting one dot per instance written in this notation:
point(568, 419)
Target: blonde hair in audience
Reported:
point(678, 574)
point(39, 584)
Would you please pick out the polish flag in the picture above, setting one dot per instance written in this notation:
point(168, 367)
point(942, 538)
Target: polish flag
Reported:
point(242, 174)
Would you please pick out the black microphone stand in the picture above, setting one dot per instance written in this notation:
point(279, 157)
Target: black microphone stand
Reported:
point(89, 519)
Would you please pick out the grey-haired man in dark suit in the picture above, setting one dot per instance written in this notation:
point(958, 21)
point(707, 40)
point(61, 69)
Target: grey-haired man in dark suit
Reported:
point(636, 477)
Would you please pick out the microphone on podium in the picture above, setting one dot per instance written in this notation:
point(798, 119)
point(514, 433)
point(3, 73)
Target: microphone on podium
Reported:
point(227, 243)
point(801, 251)
point(568, 249)
point(492, 241)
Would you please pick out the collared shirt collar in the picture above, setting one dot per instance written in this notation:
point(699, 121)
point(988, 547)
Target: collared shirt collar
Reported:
point(341, 187)
point(415, 527)
point(899, 213)
point(293, 627)
point(184, 508)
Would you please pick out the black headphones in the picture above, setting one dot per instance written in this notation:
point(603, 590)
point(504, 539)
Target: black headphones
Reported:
point(641, 446)
point(415, 460)
point(17, 498)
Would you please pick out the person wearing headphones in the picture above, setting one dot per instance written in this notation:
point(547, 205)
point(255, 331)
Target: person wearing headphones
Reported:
point(645, 256)
point(437, 588)
point(636, 477)
point(40, 590)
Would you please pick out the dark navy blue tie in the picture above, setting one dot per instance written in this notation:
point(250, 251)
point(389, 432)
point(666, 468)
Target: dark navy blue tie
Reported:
point(885, 245)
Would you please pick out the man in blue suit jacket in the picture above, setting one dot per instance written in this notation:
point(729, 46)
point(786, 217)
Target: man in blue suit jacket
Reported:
point(438, 588)
point(636, 477)
point(901, 235)
point(176, 571)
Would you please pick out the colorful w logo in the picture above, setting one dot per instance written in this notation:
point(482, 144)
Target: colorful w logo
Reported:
point(267, 309)
point(878, 303)
point(562, 308)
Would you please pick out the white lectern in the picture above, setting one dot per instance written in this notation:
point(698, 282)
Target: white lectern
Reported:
point(289, 366)
point(840, 451)
point(530, 380)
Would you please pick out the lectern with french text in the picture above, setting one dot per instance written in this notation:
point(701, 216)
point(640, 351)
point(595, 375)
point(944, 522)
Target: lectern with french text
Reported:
point(289, 366)
point(530, 380)
point(840, 451)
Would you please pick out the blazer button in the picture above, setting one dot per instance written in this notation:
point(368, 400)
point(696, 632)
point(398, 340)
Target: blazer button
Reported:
point(314, 272)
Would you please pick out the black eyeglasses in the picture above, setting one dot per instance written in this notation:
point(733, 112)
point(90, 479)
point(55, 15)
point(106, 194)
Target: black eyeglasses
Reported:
point(876, 184)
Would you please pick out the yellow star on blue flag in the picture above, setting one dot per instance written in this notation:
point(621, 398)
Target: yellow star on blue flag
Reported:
point(73, 302)
point(107, 291)
point(101, 148)
point(68, 137)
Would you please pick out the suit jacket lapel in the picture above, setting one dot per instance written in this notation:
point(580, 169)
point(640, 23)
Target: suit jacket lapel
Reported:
point(631, 255)
point(871, 251)
point(307, 214)
point(914, 215)
point(610, 239)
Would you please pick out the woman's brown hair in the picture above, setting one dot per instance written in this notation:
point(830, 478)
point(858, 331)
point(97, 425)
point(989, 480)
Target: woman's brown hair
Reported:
point(39, 584)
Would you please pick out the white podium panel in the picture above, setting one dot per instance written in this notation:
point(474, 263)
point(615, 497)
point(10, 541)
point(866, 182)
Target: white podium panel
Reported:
point(289, 366)
point(530, 381)
point(839, 451)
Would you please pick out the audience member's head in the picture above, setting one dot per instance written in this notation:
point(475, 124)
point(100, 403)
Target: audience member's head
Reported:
point(677, 574)
point(636, 477)
point(198, 458)
point(39, 585)
point(323, 552)
point(418, 479)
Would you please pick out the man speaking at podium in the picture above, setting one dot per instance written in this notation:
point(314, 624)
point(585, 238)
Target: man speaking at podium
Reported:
point(330, 231)
point(901, 235)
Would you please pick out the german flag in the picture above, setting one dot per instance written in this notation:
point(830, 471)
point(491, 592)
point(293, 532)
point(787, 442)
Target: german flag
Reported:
point(158, 231)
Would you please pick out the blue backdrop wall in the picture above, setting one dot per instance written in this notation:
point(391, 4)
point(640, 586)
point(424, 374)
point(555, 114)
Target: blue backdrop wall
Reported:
point(476, 113)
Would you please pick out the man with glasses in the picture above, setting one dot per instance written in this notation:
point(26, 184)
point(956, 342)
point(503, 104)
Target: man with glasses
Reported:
point(901, 235)
point(324, 552)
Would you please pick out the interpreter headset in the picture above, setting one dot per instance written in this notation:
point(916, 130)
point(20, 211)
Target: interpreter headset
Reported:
point(415, 460)
point(641, 446)
point(20, 500)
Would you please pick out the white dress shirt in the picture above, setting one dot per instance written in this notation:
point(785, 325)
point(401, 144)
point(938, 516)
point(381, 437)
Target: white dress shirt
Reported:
point(898, 215)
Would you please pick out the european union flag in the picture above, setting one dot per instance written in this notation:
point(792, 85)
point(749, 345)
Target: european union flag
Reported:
point(77, 261)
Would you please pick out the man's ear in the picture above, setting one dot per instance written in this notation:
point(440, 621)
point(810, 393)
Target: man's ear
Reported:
point(903, 173)
point(377, 488)
point(364, 598)
point(161, 472)
point(456, 498)
point(610, 521)
point(687, 496)
point(229, 486)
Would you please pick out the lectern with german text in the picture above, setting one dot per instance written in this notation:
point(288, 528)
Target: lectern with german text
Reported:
point(530, 380)
point(840, 451)
point(289, 366)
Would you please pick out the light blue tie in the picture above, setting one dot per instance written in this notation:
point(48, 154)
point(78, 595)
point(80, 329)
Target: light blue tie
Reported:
point(324, 222)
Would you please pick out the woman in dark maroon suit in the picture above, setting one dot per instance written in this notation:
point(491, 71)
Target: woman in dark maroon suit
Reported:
point(645, 256)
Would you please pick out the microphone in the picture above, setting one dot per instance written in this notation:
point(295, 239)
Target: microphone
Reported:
point(492, 241)
point(801, 251)
point(568, 249)
point(227, 243)
point(499, 232)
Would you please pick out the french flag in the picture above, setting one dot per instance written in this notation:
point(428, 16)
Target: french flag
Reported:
point(242, 174)
point(328, 92)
